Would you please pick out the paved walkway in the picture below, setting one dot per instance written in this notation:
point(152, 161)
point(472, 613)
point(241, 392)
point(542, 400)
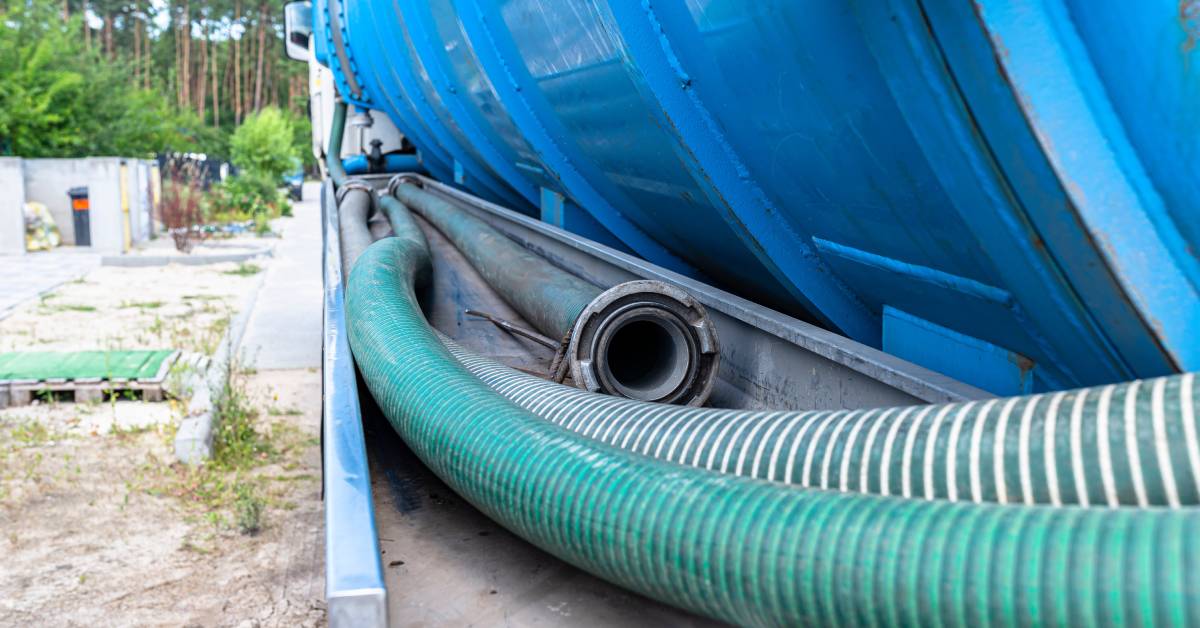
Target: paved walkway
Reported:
point(25, 277)
point(284, 330)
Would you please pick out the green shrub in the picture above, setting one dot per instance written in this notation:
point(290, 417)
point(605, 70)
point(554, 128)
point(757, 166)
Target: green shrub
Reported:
point(264, 145)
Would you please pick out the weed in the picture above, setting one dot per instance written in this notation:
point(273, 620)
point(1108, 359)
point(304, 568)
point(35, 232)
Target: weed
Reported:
point(237, 443)
point(54, 308)
point(245, 269)
point(277, 411)
point(141, 305)
point(248, 509)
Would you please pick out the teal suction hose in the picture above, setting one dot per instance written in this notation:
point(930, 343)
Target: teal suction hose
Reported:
point(745, 550)
point(1123, 444)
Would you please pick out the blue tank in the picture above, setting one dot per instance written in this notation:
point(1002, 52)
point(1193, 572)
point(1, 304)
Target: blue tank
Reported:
point(1006, 191)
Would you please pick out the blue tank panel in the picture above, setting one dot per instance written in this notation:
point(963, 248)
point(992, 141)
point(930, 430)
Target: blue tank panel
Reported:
point(1023, 173)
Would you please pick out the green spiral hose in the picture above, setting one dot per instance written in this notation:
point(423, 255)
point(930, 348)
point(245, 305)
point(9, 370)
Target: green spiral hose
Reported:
point(744, 550)
point(1124, 444)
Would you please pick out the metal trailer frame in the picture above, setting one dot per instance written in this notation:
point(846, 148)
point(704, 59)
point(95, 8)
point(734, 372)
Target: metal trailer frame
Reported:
point(768, 360)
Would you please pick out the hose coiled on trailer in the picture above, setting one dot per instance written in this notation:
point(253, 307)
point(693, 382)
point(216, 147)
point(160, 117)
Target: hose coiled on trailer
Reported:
point(644, 339)
point(1124, 444)
point(744, 550)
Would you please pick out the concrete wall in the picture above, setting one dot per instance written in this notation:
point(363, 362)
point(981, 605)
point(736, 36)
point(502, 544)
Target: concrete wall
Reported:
point(12, 200)
point(47, 181)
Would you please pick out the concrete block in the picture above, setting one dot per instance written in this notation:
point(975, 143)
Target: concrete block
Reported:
point(194, 440)
point(89, 394)
point(12, 219)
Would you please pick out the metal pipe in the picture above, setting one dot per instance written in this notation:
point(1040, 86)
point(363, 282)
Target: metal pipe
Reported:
point(333, 155)
point(645, 340)
point(747, 551)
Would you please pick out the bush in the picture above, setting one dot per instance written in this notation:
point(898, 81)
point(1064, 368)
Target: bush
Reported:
point(263, 148)
point(264, 145)
point(246, 196)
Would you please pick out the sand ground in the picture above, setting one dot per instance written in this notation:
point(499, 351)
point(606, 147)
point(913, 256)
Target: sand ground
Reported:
point(99, 526)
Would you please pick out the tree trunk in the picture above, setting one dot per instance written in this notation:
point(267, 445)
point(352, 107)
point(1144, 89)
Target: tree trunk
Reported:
point(108, 35)
point(258, 73)
point(87, 30)
point(66, 10)
point(237, 66)
point(137, 53)
point(186, 66)
point(201, 83)
point(178, 60)
point(216, 99)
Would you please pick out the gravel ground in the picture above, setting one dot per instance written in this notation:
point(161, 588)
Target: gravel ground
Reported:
point(98, 525)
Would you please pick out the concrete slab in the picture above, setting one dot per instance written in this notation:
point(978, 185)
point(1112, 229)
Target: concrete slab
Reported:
point(25, 277)
point(284, 331)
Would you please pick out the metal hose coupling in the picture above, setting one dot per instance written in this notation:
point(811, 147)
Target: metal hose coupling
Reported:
point(645, 340)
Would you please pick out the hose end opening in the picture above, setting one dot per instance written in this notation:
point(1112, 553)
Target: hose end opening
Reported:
point(645, 340)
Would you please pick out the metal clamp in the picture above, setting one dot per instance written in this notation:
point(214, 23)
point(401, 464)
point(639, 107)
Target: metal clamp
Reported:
point(402, 178)
point(355, 184)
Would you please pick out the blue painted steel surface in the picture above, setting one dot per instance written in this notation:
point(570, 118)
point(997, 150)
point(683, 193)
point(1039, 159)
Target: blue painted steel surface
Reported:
point(353, 574)
point(971, 360)
point(1022, 172)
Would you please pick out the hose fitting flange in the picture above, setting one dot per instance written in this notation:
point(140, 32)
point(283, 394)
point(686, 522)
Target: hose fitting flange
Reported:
point(354, 184)
point(630, 321)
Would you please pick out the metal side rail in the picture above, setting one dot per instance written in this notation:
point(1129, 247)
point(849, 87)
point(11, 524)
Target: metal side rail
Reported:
point(768, 359)
point(354, 588)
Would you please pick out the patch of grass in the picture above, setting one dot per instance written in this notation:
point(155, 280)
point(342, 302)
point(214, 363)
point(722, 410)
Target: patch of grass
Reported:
point(277, 411)
point(237, 443)
point(245, 269)
point(32, 433)
point(54, 308)
point(141, 305)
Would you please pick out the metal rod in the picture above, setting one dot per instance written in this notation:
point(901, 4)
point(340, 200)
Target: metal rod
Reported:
point(520, 331)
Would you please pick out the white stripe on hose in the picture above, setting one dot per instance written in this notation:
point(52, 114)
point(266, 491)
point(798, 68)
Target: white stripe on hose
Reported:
point(910, 439)
point(952, 451)
point(636, 420)
point(710, 420)
point(658, 423)
point(998, 452)
point(1023, 446)
point(779, 443)
point(1131, 443)
point(639, 428)
point(726, 420)
point(1050, 453)
point(605, 416)
point(1161, 444)
point(754, 466)
point(811, 450)
point(931, 449)
point(1081, 487)
point(886, 459)
point(577, 418)
point(729, 447)
point(864, 463)
point(844, 476)
point(792, 451)
point(716, 446)
point(1187, 413)
point(677, 428)
point(837, 431)
point(745, 449)
point(1106, 470)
